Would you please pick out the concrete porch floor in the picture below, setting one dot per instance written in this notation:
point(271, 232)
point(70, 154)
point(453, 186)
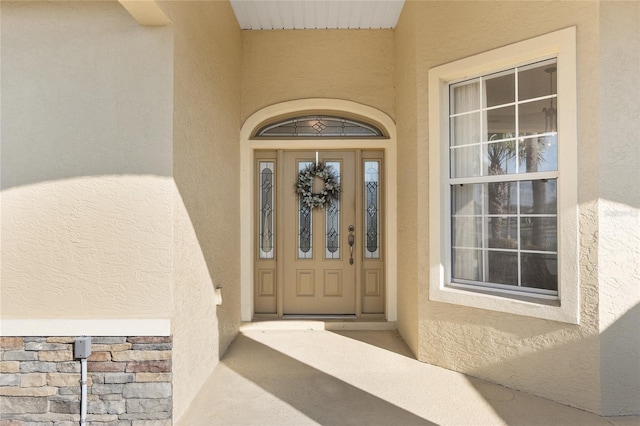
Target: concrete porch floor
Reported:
point(307, 375)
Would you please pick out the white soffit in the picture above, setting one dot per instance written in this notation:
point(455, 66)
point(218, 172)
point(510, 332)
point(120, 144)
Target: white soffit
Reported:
point(316, 14)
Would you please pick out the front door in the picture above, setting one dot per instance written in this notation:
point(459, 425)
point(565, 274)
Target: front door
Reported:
point(319, 268)
point(305, 263)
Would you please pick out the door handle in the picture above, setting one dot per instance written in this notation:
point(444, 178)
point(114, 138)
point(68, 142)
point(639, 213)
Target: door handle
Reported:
point(351, 239)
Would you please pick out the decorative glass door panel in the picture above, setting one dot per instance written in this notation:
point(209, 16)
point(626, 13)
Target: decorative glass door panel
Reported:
point(331, 211)
point(332, 220)
point(305, 221)
point(372, 209)
point(266, 234)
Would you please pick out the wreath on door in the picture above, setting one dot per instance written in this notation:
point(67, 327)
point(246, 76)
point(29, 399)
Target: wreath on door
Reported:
point(329, 193)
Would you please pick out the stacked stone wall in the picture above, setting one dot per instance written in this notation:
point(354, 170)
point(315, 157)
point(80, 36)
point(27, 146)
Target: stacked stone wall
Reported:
point(129, 381)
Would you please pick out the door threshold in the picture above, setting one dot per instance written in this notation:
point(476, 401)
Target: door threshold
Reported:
point(307, 323)
point(327, 317)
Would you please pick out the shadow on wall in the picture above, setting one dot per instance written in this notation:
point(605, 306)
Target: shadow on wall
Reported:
point(206, 254)
point(206, 156)
point(620, 361)
point(90, 146)
point(107, 191)
point(86, 162)
point(104, 105)
point(616, 390)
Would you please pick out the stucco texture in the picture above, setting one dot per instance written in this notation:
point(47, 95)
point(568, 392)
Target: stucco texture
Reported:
point(206, 157)
point(552, 359)
point(120, 171)
point(86, 163)
point(619, 207)
point(408, 126)
point(353, 65)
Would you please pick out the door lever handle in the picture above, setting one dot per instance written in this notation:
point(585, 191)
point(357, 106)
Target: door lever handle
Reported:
point(351, 239)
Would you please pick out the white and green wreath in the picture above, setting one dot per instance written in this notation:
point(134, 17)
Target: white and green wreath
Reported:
point(330, 192)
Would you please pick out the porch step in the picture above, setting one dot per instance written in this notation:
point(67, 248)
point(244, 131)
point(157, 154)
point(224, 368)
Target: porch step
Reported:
point(318, 324)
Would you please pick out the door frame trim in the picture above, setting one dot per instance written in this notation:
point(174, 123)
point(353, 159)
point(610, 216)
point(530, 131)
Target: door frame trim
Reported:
point(247, 148)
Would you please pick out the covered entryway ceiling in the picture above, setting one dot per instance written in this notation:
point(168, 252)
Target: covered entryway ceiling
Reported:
point(291, 14)
point(316, 14)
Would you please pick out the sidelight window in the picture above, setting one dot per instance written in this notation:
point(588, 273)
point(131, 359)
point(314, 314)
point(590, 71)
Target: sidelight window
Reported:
point(372, 209)
point(266, 202)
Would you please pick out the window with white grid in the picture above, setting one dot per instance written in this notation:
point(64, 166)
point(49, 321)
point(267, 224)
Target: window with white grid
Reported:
point(503, 171)
point(503, 127)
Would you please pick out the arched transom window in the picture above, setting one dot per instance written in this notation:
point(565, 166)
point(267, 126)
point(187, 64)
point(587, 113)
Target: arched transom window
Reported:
point(319, 126)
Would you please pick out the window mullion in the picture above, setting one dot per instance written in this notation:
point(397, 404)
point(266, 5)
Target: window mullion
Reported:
point(517, 117)
point(518, 231)
point(485, 253)
point(505, 178)
point(482, 208)
point(482, 127)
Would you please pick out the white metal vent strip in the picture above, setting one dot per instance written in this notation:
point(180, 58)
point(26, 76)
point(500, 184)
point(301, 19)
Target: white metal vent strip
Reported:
point(317, 14)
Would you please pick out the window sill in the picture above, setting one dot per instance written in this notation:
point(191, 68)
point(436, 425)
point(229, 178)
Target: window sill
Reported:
point(517, 304)
point(512, 295)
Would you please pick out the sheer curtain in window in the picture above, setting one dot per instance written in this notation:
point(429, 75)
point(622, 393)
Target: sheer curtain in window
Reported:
point(466, 199)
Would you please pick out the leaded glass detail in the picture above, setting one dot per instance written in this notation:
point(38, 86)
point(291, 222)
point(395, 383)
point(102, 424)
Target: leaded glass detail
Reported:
point(266, 233)
point(305, 223)
point(372, 209)
point(322, 126)
point(332, 213)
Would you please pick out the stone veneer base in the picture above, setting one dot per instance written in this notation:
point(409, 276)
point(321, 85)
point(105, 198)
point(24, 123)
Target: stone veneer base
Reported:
point(130, 381)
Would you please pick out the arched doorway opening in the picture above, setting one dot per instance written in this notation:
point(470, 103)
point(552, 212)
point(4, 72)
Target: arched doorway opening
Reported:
point(276, 280)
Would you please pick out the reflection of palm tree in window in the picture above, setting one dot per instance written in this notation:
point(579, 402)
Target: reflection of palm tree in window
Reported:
point(499, 156)
point(534, 155)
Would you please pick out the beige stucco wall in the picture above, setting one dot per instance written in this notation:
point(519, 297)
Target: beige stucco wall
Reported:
point(619, 207)
point(555, 360)
point(408, 125)
point(284, 65)
point(99, 114)
point(206, 159)
point(86, 163)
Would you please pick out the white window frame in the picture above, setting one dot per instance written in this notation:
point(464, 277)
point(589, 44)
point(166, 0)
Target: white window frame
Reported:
point(566, 306)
